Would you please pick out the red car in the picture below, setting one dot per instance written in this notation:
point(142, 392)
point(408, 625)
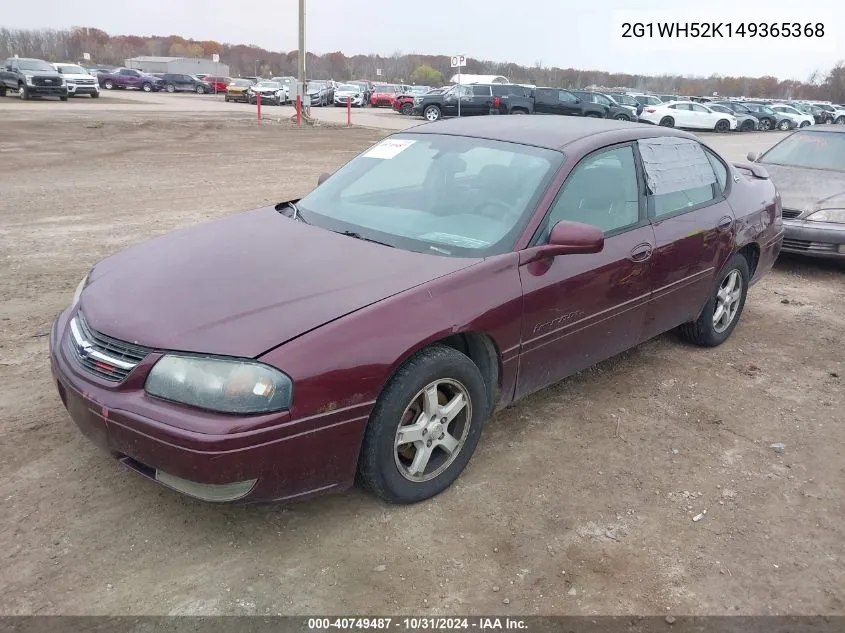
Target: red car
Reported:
point(383, 95)
point(404, 103)
point(374, 325)
point(217, 84)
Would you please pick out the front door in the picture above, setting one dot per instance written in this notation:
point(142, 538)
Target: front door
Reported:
point(582, 309)
point(693, 227)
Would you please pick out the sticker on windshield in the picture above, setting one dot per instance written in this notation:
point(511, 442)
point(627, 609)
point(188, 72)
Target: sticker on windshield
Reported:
point(389, 148)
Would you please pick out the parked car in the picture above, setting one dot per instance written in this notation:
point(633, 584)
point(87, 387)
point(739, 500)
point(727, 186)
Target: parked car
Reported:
point(352, 94)
point(289, 84)
point(835, 114)
point(326, 87)
point(175, 82)
point(808, 168)
point(627, 100)
point(271, 92)
point(78, 80)
point(819, 115)
point(367, 86)
point(384, 95)
point(31, 78)
point(474, 99)
point(670, 98)
point(318, 93)
point(217, 84)
point(561, 258)
point(744, 122)
point(404, 103)
point(767, 121)
point(647, 100)
point(129, 78)
point(238, 90)
point(801, 119)
point(784, 122)
point(688, 114)
point(609, 108)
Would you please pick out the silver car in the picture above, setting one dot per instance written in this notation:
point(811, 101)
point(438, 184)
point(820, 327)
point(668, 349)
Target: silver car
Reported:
point(808, 168)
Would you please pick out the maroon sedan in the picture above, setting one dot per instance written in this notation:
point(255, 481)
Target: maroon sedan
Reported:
point(374, 325)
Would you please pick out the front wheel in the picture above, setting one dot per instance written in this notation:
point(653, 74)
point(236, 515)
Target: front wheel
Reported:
point(518, 111)
point(147, 87)
point(200, 90)
point(171, 88)
point(63, 98)
point(806, 123)
point(406, 109)
point(748, 126)
point(424, 427)
point(95, 95)
point(766, 124)
point(23, 93)
point(722, 126)
point(724, 308)
point(840, 120)
point(783, 125)
point(432, 113)
point(621, 117)
point(108, 84)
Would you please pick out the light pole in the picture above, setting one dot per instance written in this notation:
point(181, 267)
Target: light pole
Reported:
point(301, 91)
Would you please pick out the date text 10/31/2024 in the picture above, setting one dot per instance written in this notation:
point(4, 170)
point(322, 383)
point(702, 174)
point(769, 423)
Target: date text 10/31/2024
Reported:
point(417, 624)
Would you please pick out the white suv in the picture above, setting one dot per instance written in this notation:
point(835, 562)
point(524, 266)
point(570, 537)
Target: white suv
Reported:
point(78, 80)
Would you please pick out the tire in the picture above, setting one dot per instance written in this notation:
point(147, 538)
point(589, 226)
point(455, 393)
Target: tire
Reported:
point(766, 124)
point(518, 111)
point(23, 93)
point(199, 90)
point(170, 88)
point(95, 95)
point(406, 109)
point(621, 117)
point(2, 91)
point(226, 98)
point(385, 467)
point(748, 126)
point(108, 84)
point(704, 332)
point(722, 126)
point(784, 125)
point(147, 87)
point(840, 120)
point(667, 121)
point(432, 113)
point(63, 98)
point(804, 124)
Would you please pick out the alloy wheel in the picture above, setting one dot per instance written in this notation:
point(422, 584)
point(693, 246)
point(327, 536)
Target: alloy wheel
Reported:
point(727, 301)
point(433, 430)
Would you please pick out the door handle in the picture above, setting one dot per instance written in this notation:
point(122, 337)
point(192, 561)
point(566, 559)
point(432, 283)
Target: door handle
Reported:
point(725, 223)
point(641, 252)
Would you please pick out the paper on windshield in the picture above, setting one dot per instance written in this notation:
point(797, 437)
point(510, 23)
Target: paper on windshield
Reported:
point(389, 148)
point(674, 164)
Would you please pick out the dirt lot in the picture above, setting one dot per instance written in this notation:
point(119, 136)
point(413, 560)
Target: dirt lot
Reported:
point(579, 501)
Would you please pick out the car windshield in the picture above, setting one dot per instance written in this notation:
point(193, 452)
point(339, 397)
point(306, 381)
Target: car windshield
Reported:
point(386, 89)
point(764, 109)
point(241, 83)
point(35, 64)
point(419, 90)
point(268, 84)
point(348, 88)
point(439, 194)
point(72, 70)
point(817, 150)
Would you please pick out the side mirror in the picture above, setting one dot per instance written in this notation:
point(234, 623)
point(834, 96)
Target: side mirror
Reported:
point(752, 157)
point(568, 238)
point(323, 178)
point(577, 100)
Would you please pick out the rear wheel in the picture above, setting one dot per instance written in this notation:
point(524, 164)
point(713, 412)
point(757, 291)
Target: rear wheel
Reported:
point(784, 125)
point(171, 88)
point(804, 123)
point(147, 87)
point(200, 90)
point(406, 109)
point(432, 113)
point(724, 308)
point(621, 117)
point(748, 126)
point(840, 120)
point(424, 427)
point(667, 121)
point(108, 84)
point(722, 125)
point(766, 124)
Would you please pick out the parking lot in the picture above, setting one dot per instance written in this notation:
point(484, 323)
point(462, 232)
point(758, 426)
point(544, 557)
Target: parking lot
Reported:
point(579, 499)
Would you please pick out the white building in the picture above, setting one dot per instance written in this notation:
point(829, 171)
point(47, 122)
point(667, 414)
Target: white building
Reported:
point(178, 65)
point(480, 79)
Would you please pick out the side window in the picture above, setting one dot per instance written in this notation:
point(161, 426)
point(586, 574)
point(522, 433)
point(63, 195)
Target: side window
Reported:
point(698, 108)
point(463, 91)
point(601, 100)
point(679, 175)
point(602, 190)
point(566, 97)
point(501, 91)
point(719, 169)
point(481, 91)
point(545, 94)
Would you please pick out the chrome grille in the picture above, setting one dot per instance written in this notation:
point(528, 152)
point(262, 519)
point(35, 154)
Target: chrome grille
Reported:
point(104, 356)
point(791, 213)
point(46, 81)
point(805, 245)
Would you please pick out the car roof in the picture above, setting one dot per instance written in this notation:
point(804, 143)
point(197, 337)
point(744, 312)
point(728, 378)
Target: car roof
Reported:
point(551, 132)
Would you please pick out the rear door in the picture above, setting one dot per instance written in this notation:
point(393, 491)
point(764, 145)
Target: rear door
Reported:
point(694, 227)
point(682, 113)
point(581, 309)
point(545, 101)
point(480, 100)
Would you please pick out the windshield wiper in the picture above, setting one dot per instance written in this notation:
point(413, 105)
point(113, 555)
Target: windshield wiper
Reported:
point(296, 214)
point(358, 236)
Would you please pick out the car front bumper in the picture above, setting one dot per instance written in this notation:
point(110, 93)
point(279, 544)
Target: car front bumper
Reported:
point(241, 459)
point(814, 239)
point(86, 89)
point(47, 91)
point(341, 101)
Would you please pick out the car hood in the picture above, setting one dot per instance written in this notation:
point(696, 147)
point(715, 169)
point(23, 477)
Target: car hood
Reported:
point(246, 283)
point(40, 73)
point(347, 93)
point(802, 188)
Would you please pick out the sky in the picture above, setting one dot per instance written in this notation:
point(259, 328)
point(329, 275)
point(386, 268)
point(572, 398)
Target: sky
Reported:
point(584, 35)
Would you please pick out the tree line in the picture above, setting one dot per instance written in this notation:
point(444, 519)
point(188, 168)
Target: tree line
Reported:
point(105, 49)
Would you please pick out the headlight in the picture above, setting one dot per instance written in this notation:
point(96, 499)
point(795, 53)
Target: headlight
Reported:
point(29, 80)
point(223, 385)
point(78, 292)
point(828, 215)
